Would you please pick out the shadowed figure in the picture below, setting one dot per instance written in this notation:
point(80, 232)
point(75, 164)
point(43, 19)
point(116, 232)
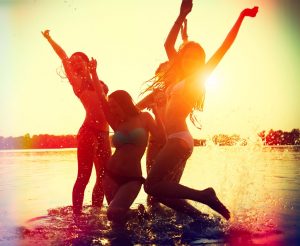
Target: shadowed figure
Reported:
point(93, 136)
point(183, 86)
point(123, 174)
point(157, 99)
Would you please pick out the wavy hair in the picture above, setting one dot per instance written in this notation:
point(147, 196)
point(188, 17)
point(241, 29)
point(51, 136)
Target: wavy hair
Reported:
point(125, 101)
point(172, 72)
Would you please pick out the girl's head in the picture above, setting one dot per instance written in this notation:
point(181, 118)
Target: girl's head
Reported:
point(189, 59)
point(79, 62)
point(120, 102)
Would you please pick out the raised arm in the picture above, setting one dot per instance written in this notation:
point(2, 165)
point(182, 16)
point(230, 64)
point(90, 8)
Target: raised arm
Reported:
point(185, 9)
point(58, 50)
point(218, 55)
point(100, 88)
point(155, 127)
point(183, 30)
point(94, 76)
point(74, 80)
point(146, 101)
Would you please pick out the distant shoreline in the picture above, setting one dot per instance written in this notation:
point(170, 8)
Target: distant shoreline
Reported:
point(46, 141)
point(294, 147)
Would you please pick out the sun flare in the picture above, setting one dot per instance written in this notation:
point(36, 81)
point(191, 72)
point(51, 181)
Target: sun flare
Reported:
point(211, 83)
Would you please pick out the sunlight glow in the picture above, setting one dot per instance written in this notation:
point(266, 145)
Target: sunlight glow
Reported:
point(129, 47)
point(211, 83)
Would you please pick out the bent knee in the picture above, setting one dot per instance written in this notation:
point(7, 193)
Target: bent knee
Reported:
point(116, 214)
point(150, 187)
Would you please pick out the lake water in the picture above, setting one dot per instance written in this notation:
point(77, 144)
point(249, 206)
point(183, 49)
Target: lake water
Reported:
point(259, 185)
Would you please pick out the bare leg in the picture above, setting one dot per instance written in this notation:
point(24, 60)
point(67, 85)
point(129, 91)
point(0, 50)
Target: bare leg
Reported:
point(110, 188)
point(85, 165)
point(166, 161)
point(152, 150)
point(122, 201)
point(181, 205)
point(101, 156)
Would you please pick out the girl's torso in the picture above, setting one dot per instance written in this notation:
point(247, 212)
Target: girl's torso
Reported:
point(181, 98)
point(130, 141)
point(94, 115)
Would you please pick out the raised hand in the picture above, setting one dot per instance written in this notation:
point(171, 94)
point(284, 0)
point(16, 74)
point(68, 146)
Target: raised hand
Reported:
point(186, 7)
point(250, 12)
point(92, 65)
point(46, 34)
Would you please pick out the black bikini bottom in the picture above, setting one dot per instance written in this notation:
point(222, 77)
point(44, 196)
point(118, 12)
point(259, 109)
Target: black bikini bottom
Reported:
point(121, 180)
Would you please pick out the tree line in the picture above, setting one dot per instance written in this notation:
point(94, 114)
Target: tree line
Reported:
point(46, 141)
point(42, 141)
point(280, 137)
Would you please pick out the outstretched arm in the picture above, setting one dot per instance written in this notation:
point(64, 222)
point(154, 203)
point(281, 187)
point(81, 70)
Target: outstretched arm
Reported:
point(145, 102)
point(216, 58)
point(59, 51)
point(156, 98)
point(185, 9)
point(74, 80)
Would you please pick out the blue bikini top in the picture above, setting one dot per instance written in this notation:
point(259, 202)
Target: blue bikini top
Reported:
point(137, 136)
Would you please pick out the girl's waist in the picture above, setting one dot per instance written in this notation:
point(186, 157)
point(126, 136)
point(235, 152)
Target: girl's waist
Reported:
point(99, 126)
point(176, 129)
point(124, 168)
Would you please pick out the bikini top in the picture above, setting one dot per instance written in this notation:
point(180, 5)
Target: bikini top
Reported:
point(137, 136)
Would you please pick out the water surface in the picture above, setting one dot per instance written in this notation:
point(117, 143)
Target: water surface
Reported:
point(260, 186)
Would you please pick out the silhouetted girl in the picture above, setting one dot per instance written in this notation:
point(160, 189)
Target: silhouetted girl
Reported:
point(123, 174)
point(93, 136)
point(185, 92)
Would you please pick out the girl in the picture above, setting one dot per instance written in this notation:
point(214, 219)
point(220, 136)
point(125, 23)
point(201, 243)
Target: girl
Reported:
point(93, 136)
point(123, 175)
point(185, 93)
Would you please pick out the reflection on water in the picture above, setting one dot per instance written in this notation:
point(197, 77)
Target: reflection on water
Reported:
point(260, 186)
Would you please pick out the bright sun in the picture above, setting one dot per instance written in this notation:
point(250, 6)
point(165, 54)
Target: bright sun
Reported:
point(211, 82)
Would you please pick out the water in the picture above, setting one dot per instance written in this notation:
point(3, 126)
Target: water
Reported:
point(259, 185)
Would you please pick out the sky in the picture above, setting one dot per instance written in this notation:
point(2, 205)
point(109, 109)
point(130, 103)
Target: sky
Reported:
point(255, 87)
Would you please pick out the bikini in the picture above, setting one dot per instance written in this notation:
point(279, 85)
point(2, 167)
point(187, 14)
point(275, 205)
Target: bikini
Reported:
point(137, 136)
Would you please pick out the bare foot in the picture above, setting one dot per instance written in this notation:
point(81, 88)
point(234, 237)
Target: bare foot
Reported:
point(214, 203)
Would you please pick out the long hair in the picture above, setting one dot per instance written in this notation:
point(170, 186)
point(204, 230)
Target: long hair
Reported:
point(124, 100)
point(174, 69)
point(172, 72)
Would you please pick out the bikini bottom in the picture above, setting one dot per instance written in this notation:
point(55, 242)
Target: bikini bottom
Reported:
point(185, 136)
point(121, 180)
